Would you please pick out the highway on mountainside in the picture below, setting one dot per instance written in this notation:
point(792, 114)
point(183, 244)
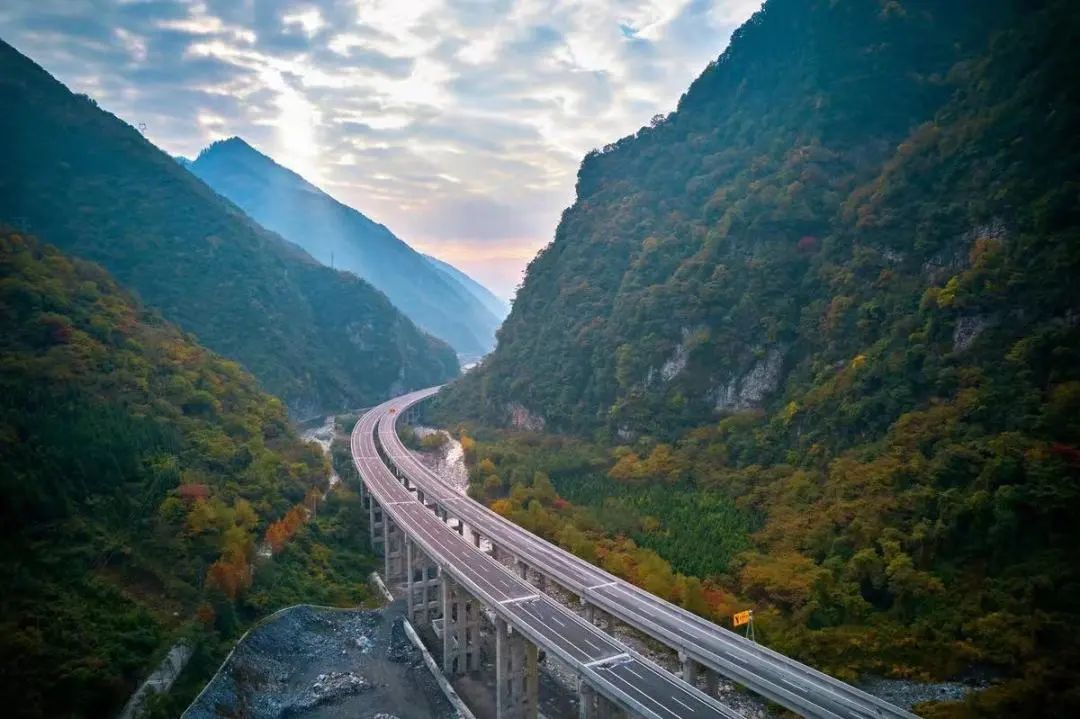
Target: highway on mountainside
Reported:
point(781, 679)
point(608, 667)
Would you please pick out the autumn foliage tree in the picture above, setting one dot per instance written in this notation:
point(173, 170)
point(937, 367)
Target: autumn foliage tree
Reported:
point(280, 532)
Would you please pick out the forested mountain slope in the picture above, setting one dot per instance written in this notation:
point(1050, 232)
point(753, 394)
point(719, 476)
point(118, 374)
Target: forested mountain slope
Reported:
point(139, 472)
point(739, 242)
point(82, 179)
point(837, 288)
point(284, 202)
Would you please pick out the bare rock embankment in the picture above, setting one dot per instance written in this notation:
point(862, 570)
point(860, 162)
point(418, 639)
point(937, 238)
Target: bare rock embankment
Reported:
point(319, 663)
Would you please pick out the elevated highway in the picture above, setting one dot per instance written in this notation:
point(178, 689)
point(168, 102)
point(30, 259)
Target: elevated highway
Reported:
point(703, 647)
point(475, 591)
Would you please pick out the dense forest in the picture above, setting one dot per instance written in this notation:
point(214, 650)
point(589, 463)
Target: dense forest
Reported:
point(282, 201)
point(830, 302)
point(140, 474)
point(95, 187)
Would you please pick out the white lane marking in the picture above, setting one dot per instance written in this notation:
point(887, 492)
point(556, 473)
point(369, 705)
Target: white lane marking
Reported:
point(566, 641)
point(651, 698)
point(634, 673)
point(601, 586)
point(558, 621)
point(515, 600)
point(676, 699)
point(599, 649)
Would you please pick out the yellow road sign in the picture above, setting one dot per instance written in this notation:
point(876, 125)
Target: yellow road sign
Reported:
point(741, 618)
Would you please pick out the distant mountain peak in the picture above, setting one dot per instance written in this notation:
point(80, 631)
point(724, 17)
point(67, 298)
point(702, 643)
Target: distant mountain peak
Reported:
point(235, 154)
point(436, 296)
point(234, 143)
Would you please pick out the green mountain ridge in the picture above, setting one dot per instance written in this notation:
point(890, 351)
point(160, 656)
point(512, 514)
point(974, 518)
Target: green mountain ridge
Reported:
point(106, 412)
point(283, 201)
point(835, 288)
point(85, 181)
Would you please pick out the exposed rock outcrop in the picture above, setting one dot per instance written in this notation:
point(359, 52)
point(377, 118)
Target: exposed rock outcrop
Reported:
point(751, 388)
point(522, 418)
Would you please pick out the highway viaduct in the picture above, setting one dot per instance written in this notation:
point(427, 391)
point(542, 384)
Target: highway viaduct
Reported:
point(450, 583)
point(610, 675)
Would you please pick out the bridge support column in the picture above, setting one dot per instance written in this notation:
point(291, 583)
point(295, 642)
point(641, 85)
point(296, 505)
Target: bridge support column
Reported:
point(423, 582)
point(689, 669)
point(410, 588)
point(461, 629)
point(476, 538)
point(712, 683)
point(375, 522)
point(522, 569)
point(592, 705)
point(590, 613)
point(586, 701)
point(393, 551)
point(516, 678)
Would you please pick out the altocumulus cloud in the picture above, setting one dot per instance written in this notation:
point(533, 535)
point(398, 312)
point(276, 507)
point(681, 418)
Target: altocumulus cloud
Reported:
point(460, 125)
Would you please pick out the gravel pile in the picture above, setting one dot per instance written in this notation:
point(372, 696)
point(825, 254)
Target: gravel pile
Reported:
point(906, 694)
point(324, 664)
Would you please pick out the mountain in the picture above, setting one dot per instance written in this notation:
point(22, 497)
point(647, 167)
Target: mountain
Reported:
point(85, 181)
point(835, 291)
point(496, 306)
point(139, 472)
point(284, 202)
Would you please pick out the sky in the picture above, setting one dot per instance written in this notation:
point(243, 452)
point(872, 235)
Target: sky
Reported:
point(459, 125)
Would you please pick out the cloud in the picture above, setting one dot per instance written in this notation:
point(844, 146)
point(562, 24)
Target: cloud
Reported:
point(459, 124)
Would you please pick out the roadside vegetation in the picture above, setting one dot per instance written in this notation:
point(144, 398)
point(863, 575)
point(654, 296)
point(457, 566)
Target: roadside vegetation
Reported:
point(141, 475)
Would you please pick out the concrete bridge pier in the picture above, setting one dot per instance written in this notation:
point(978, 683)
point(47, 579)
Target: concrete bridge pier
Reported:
point(375, 523)
point(689, 672)
point(393, 552)
point(517, 686)
point(597, 616)
point(460, 628)
point(593, 705)
point(712, 683)
point(476, 538)
point(422, 579)
point(522, 569)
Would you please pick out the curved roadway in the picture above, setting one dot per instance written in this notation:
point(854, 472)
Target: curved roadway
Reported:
point(610, 668)
point(781, 679)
